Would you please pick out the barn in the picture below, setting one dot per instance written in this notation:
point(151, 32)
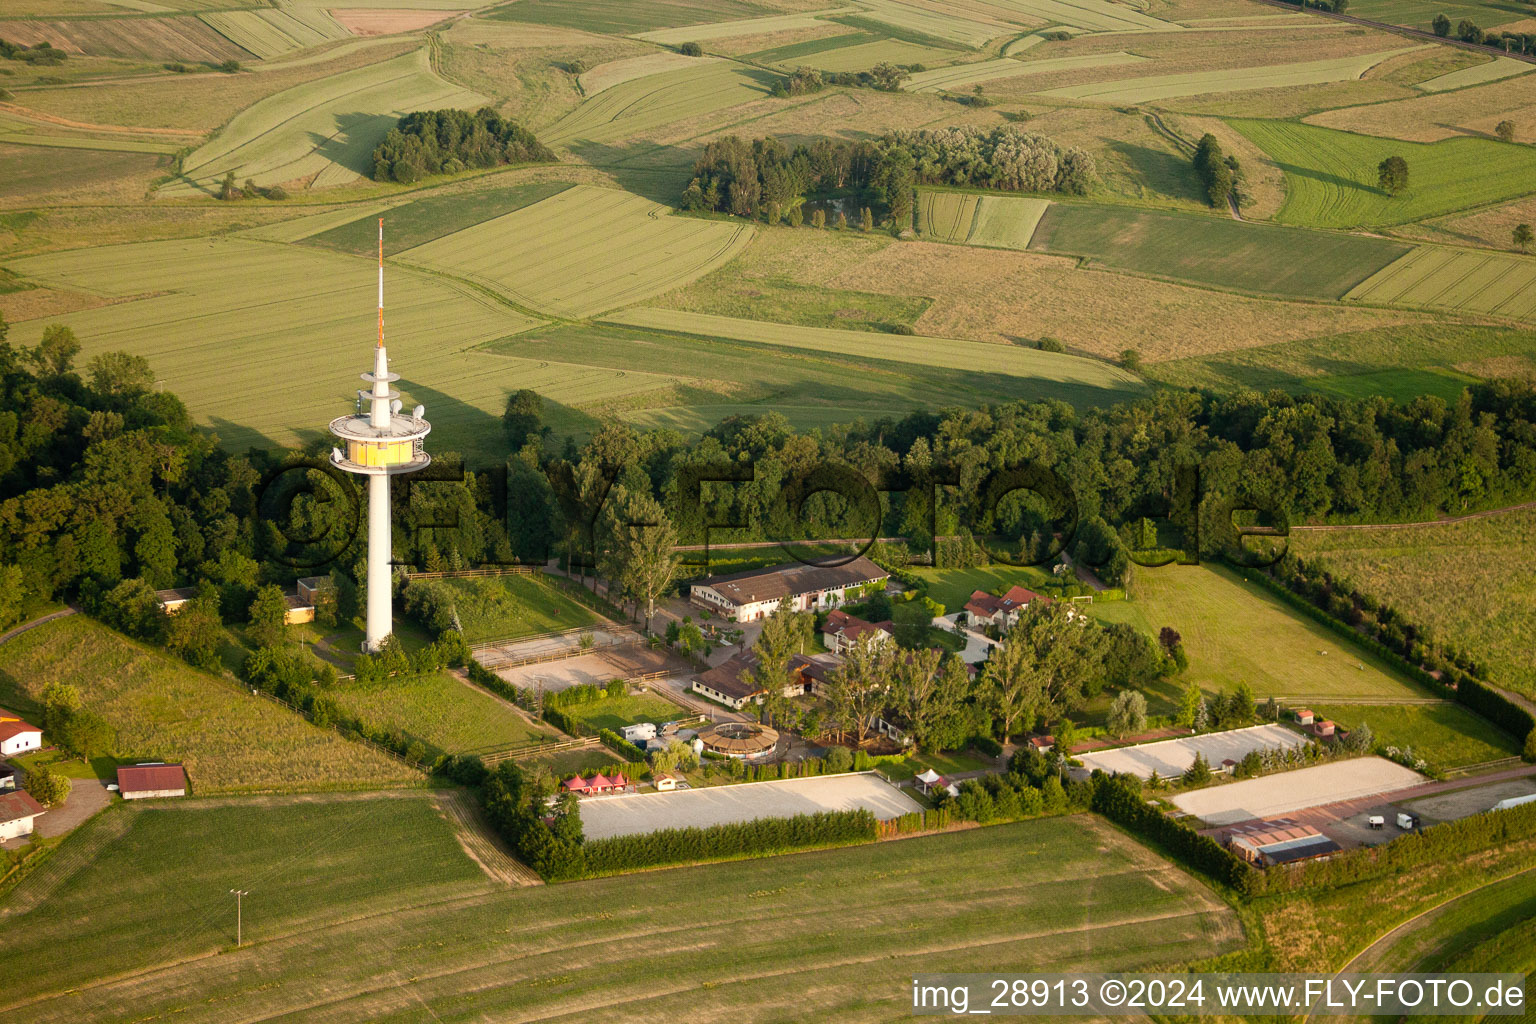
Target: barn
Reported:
point(146, 781)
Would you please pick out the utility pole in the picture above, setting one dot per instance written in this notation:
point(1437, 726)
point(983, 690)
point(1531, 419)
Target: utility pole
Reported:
point(239, 895)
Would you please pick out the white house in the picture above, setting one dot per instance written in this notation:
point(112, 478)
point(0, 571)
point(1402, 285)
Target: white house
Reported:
point(1003, 612)
point(843, 632)
point(17, 812)
point(17, 737)
point(754, 594)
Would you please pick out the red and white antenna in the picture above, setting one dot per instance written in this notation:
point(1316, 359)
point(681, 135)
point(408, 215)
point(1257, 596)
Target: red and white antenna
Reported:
point(381, 282)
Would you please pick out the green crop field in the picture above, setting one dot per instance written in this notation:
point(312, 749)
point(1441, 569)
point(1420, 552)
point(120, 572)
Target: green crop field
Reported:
point(1490, 928)
point(272, 33)
point(1495, 70)
point(423, 220)
point(507, 607)
point(1331, 180)
point(616, 712)
point(645, 104)
point(370, 899)
point(857, 52)
point(925, 22)
point(129, 37)
point(1421, 13)
point(1462, 280)
point(806, 51)
point(1427, 573)
point(699, 33)
point(1446, 735)
point(165, 710)
point(324, 131)
point(1241, 79)
point(622, 17)
point(583, 251)
point(1233, 631)
point(961, 77)
point(1216, 250)
point(1397, 362)
point(1067, 375)
point(442, 712)
point(1096, 15)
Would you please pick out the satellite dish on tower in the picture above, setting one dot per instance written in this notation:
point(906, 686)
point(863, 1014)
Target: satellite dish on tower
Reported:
point(394, 405)
point(419, 411)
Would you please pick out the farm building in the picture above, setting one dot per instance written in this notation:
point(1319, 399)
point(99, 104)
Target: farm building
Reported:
point(639, 732)
point(843, 631)
point(147, 781)
point(1003, 612)
point(729, 682)
point(309, 587)
point(1281, 841)
point(17, 813)
point(17, 737)
point(1044, 744)
point(1305, 716)
point(299, 610)
point(754, 594)
point(815, 671)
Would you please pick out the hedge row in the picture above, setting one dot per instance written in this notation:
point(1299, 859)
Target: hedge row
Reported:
point(916, 821)
point(748, 838)
point(619, 745)
point(1122, 803)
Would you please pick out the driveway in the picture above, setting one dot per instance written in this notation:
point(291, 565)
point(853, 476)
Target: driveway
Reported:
point(86, 798)
point(977, 647)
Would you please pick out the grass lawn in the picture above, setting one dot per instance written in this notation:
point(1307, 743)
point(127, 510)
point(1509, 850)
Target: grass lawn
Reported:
point(141, 884)
point(565, 763)
point(1039, 910)
point(1445, 735)
point(1473, 583)
point(1216, 250)
point(507, 607)
point(104, 768)
point(443, 712)
point(616, 712)
point(1234, 631)
point(948, 762)
point(953, 587)
point(1330, 175)
point(165, 710)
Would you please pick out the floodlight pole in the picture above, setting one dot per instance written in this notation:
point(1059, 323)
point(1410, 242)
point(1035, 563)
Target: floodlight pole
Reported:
point(239, 894)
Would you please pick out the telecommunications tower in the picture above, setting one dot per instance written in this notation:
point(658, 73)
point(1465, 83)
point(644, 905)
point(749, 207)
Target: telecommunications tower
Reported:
point(381, 443)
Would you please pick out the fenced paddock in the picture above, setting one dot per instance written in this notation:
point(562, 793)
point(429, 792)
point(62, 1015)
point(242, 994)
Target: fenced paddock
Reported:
point(1172, 757)
point(1284, 792)
point(603, 817)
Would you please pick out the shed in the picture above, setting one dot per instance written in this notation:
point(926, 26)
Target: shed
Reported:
point(18, 737)
point(147, 781)
point(17, 812)
point(1324, 728)
point(1044, 744)
point(1304, 716)
point(665, 782)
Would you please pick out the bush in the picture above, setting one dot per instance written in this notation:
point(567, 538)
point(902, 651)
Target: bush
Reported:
point(838, 759)
point(691, 50)
point(987, 745)
point(1050, 344)
point(48, 788)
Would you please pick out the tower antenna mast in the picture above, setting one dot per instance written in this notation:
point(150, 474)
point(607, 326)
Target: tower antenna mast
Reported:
point(381, 282)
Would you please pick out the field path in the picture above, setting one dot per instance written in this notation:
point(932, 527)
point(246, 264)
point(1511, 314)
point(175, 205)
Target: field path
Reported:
point(480, 843)
point(61, 613)
point(28, 114)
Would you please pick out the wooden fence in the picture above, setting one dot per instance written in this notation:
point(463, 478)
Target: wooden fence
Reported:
point(466, 574)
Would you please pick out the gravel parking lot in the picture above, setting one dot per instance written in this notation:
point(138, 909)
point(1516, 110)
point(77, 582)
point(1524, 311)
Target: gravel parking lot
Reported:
point(1284, 792)
point(1172, 757)
point(606, 816)
point(1463, 803)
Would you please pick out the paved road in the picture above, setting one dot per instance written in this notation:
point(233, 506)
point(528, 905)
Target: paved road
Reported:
point(35, 623)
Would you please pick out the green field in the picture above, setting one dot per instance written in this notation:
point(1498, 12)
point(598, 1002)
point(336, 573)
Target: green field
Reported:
point(1398, 362)
point(323, 132)
point(146, 884)
point(1490, 928)
point(953, 587)
point(507, 607)
point(1425, 573)
point(584, 251)
point(1096, 15)
point(1445, 735)
point(961, 77)
point(1067, 377)
point(362, 904)
point(623, 17)
point(1421, 13)
point(918, 22)
point(272, 33)
point(803, 53)
point(422, 220)
point(644, 104)
point(1001, 222)
point(1216, 250)
point(616, 712)
point(442, 712)
point(1460, 280)
point(1152, 88)
point(1234, 632)
point(1495, 70)
point(857, 52)
point(165, 710)
point(1331, 181)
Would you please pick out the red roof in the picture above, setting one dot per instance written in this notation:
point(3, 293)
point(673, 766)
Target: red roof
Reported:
point(148, 778)
point(17, 805)
point(1042, 741)
point(852, 627)
point(1018, 596)
point(983, 603)
point(575, 785)
point(619, 780)
point(10, 727)
point(599, 781)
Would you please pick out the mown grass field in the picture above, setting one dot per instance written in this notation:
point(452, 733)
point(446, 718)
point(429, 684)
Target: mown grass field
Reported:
point(645, 104)
point(962, 77)
point(144, 38)
point(1398, 362)
point(1495, 70)
point(860, 52)
point(1460, 280)
point(916, 21)
point(1152, 88)
point(623, 17)
point(1445, 735)
point(507, 607)
point(583, 251)
point(953, 587)
point(272, 33)
point(165, 710)
point(1096, 15)
point(443, 713)
point(143, 884)
point(818, 919)
point(1331, 176)
point(1068, 376)
point(1233, 631)
point(1215, 250)
point(731, 28)
point(1004, 222)
point(1421, 13)
point(322, 132)
point(616, 712)
point(1472, 583)
point(422, 220)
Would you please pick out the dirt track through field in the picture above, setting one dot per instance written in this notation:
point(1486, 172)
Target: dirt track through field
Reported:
point(474, 835)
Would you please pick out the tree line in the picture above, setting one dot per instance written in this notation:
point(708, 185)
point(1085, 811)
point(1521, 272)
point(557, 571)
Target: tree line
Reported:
point(427, 142)
point(1219, 172)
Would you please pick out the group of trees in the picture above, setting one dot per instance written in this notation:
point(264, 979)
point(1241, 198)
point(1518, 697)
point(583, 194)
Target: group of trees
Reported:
point(1219, 173)
point(1468, 31)
point(884, 76)
point(43, 52)
point(427, 142)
